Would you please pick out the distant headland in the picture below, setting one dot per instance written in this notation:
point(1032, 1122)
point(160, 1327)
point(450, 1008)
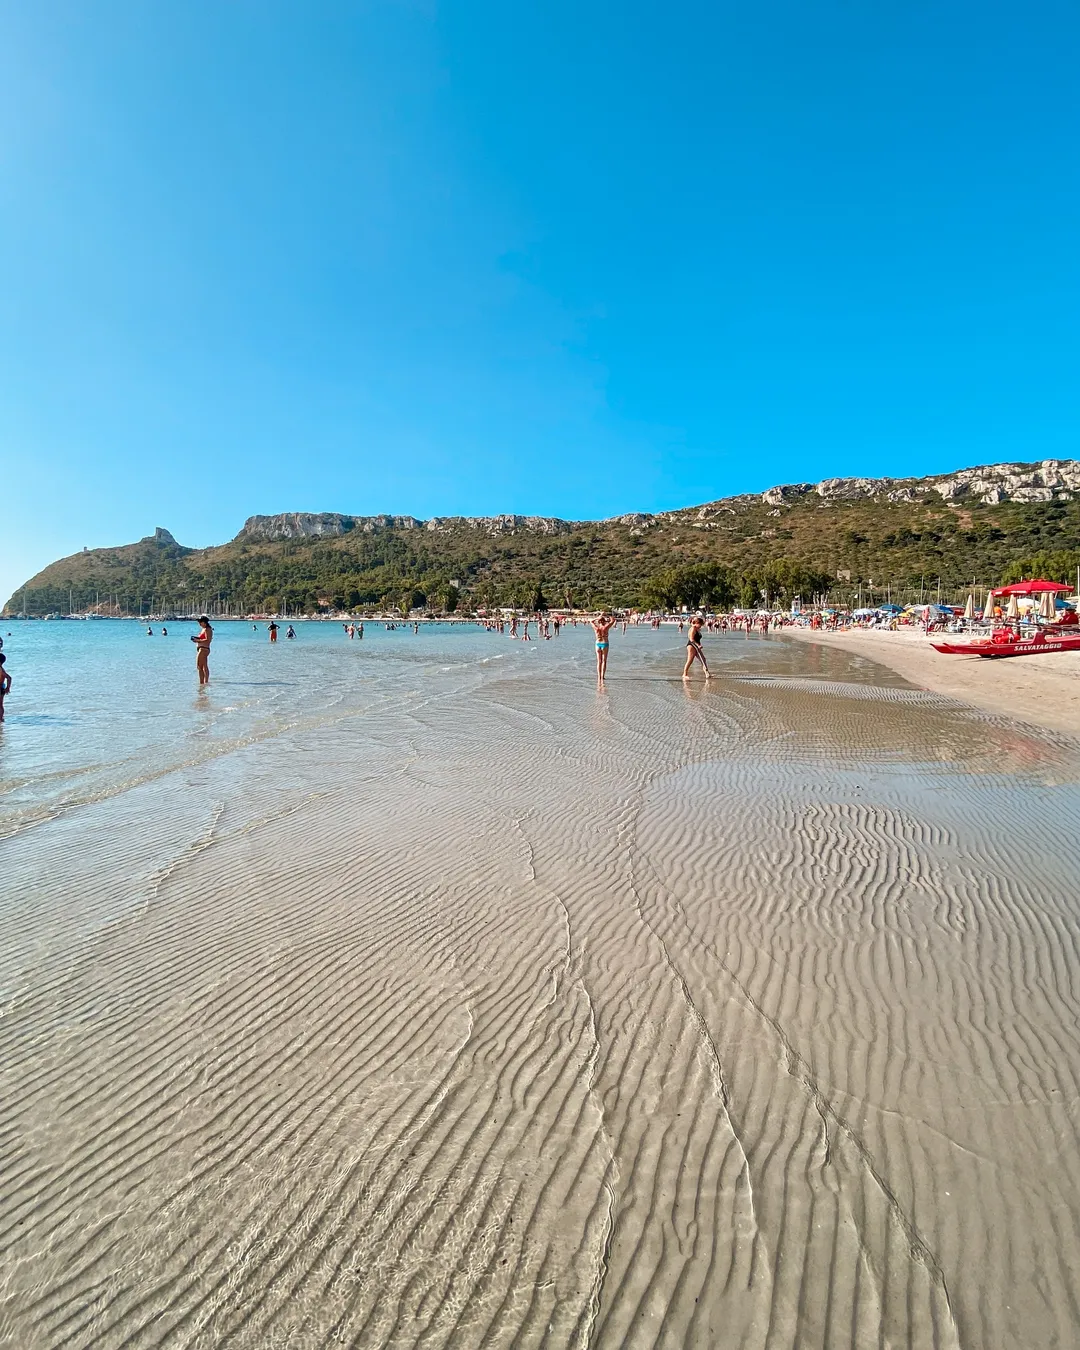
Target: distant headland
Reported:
point(834, 537)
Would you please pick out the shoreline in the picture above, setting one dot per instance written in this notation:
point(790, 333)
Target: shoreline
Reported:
point(1043, 691)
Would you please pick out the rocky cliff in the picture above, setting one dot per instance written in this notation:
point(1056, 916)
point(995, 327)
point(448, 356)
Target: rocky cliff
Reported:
point(329, 525)
point(1046, 481)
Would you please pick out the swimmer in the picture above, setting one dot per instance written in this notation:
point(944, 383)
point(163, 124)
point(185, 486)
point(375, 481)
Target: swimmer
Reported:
point(602, 627)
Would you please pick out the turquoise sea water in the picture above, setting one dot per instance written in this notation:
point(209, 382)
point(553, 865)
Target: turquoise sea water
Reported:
point(100, 707)
point(97, 707)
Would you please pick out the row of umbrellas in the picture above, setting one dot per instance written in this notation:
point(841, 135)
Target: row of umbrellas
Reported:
point(1045, 590)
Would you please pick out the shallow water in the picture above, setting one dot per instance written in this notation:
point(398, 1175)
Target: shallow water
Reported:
point(414, 992)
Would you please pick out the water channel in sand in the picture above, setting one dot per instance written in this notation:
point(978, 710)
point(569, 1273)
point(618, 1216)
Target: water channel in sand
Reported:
point(418, 993)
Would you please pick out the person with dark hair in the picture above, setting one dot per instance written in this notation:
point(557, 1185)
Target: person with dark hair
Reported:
point(202, 641)
point(272, 628)
point(693, 647)
point(5, 684)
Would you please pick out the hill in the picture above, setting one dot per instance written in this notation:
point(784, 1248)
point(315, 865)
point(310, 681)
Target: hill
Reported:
point(846, 537)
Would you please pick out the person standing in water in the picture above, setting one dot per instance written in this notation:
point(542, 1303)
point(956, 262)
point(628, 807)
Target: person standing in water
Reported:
point(693, 647)
point(290, 632)
point(602, 627)
point(5, 684)
point(202, 641)
point(271, 628)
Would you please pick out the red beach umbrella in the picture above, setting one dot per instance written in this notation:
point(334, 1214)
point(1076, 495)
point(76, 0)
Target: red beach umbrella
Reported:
point(1032, 588)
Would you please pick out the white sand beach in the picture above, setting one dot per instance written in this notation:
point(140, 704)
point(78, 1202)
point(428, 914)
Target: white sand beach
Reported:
point(487, 1009)
point(1043, 690)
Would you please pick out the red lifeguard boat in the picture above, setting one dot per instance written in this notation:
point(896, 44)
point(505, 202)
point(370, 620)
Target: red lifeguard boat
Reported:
point(1006, 641)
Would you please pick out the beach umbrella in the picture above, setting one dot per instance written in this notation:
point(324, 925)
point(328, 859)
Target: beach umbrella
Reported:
point(1047, 609)
point(969, 608)
point(1013, 609)
point(1033, 588)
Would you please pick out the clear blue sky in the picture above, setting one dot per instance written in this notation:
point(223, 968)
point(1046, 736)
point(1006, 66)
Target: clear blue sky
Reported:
point(572, 258)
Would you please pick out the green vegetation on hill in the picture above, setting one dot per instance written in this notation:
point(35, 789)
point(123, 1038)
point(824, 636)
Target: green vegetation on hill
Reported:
point(731, 552)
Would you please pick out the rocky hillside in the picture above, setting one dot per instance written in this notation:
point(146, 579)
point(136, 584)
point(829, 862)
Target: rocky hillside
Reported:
point(843, 535)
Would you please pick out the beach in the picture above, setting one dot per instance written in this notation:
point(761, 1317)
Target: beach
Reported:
point(1043, 690)
point(417, 992)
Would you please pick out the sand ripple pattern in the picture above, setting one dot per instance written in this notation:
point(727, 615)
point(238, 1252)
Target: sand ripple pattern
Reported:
point(511, 1014)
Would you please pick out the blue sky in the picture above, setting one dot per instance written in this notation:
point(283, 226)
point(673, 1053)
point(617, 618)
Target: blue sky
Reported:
point(571, 258)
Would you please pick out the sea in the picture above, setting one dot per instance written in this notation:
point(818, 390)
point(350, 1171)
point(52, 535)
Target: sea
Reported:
point(99, 707)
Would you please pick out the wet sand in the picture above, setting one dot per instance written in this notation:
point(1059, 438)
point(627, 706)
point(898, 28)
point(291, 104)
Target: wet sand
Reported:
point(1042, 690)
point(510, 1013)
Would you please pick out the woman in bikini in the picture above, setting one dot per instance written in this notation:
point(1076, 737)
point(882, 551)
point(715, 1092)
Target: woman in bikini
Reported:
point(693, 647)
point(602, 627)
point(202, 641)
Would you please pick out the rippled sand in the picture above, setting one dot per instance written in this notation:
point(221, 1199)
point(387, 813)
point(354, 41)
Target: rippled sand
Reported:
point(500, 1012)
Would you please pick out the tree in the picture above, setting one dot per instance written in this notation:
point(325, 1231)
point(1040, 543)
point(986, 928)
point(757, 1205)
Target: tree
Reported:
point(662, 590)
point(710, 584)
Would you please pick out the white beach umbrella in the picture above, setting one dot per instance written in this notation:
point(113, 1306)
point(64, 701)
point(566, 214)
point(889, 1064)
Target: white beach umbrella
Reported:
point(1013, 609)
point(1047, 609)
point(969, 608)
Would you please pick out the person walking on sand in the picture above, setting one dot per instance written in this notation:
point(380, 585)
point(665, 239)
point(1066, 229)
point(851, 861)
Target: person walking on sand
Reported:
point(202, 641)
point(602, 627)
point(693, 647)
point(271, 628)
